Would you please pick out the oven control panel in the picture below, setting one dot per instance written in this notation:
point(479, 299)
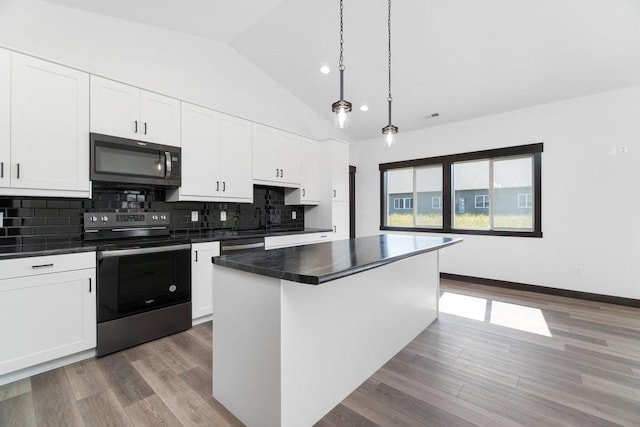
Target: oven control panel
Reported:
point(106, 220)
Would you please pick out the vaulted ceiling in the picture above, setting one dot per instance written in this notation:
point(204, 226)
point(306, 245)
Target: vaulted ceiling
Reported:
point(459, 58)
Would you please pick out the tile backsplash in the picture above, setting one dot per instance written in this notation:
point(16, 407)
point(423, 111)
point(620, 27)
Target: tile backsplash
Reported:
point(40, 220)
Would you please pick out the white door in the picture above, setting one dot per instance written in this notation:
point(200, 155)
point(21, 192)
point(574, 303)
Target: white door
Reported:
point(160, 118)
point(49, 126)
point(200, 151)
point(46, 316)
point(5, 118)
point(310, 170)
point(115, 108)
point(265, 154)
point(202, 277)
point(340, 219)
point(289, 157)
point(340, 170)
point(236, 158)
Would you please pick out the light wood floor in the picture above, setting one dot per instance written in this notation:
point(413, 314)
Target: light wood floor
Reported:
point(458, 372)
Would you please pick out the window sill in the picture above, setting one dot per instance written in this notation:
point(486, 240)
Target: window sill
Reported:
point(507, 233)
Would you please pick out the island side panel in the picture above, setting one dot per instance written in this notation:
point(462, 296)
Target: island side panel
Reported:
point(246, 345)
point(337, 334)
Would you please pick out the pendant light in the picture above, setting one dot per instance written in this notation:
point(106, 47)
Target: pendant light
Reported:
point(341, 107)
point(389, 130)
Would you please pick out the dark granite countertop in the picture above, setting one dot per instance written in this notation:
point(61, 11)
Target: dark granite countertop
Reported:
point(75, 246)
point(25, 251)
point(322, 262)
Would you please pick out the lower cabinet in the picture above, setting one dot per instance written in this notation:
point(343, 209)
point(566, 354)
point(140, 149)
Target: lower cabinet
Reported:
point(202, 279)
point(47, 308)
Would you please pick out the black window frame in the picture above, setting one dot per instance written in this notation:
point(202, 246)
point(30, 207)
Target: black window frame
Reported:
point(447, 161)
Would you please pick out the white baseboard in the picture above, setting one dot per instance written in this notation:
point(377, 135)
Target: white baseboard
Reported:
point(46, 366)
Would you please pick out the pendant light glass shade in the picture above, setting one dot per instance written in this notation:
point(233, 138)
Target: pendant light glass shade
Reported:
point(341, 107)
point(389, 130)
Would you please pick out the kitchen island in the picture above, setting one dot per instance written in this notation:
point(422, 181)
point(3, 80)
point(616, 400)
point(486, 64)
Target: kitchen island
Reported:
point(295, 330)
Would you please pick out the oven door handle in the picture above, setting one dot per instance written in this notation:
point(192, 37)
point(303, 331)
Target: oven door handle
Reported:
point(167, 164)
point(141, 251)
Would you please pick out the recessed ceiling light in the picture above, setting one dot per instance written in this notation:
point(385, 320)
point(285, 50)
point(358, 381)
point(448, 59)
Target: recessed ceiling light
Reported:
point(364, 108)
point(325, 69)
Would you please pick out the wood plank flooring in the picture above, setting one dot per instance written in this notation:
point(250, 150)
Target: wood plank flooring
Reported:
point(580, 368)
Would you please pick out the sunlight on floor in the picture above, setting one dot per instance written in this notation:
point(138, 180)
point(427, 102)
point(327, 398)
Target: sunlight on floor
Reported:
point(515, 316)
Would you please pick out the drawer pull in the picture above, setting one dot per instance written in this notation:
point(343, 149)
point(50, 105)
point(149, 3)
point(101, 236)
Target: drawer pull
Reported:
point(42, 266)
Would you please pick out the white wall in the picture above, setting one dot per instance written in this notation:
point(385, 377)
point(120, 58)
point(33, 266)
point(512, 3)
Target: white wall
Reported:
point(186, 67)
point(590, 198)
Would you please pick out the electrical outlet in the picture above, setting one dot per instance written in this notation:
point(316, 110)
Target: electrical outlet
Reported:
point(293, 215)
point(579, 271)
point(223, 215)
point(194, 216)
point(623, 149)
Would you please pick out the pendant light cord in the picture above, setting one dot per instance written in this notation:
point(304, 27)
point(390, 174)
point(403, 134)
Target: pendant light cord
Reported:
point(389, 29)
point(341, 40)
point(389, 33)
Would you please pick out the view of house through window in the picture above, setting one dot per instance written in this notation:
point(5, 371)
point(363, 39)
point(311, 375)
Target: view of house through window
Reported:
point(486, 192)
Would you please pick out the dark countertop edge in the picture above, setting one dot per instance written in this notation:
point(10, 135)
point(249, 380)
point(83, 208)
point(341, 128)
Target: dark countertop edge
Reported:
point(317, 280)
point(47, 252)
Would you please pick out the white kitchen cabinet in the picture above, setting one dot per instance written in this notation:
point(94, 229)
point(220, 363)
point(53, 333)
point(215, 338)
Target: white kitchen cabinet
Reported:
point(47, 309)
point(126, 111)
point(49, 129)
point(333, 210)
point(340, 220)
point(202, 279)
point(276, 157)
point(5, 117)
point(216, 157)
point(309, 191)
point(339, 154)
point(236, 159)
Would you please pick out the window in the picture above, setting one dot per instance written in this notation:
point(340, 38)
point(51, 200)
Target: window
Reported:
point(494, 192)
point(524, 200)
point(403, 203)
point(436, 203)
point(482, 201)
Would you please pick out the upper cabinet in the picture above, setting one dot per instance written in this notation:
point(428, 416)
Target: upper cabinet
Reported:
point(5, 117)
point(276, 157)
point(216, 157)
point(339, 169)
point(47, 152)
point(309, 191)
point(128, 112)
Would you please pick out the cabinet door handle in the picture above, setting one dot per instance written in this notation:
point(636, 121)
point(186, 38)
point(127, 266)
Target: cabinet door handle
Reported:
point(196, 256)
point(136, 126)
point(334, 193)
point(89, 284)
point(217, 185)
point(303, 192)
point(224, 185)
point(17, 170)
point(281, 173)
point(145, 128)
point(1, 169)
point(277, 172)
point(334, 228)
point(42, 266)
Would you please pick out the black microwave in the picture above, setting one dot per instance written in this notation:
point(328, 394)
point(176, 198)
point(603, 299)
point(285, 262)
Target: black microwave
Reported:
point(127, 161)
